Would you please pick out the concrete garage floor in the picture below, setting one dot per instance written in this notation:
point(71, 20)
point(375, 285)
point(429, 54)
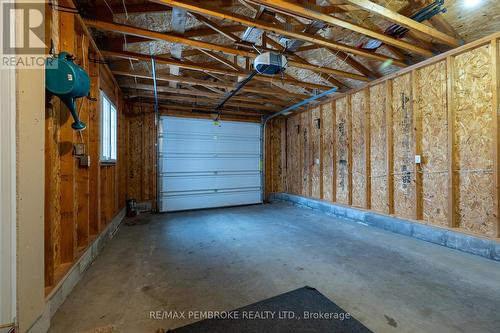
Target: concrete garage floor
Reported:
point(222, 259)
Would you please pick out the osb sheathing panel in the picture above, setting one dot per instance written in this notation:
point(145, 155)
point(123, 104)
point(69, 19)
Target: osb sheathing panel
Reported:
point(378, 149)
point(342, 151)
point(404, 147)
point(358, 149)
point(327, 124)
point(316, 152)
point(430, 106)
point(306, 152)
point(474, 151)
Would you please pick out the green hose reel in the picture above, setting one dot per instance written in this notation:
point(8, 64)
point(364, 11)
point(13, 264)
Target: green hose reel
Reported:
point(68, 81)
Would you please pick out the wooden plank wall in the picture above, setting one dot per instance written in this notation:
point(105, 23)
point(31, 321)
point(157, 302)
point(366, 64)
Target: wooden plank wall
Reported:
point(141, 153)
point(445, 110)
point(79, 201)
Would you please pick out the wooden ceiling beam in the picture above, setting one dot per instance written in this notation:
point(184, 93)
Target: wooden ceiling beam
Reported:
point(354, 64)
point(205, 83)
point(223, 60)
point(274, 28)
point(188, 92)
point(325, 77)
point(404, 21)
point(122, 28)
point(208, 101)
point(207, 69)
point(308, 13)
point(214, 26)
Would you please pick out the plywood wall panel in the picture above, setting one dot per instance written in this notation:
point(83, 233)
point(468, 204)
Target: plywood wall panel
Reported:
point(358, 149)
point(474, 150)
point(404, 147)
point(378, 149)
point(443, 110)
point(316, 179)
point(342, 150)
point(430, 105)
point(327, 124)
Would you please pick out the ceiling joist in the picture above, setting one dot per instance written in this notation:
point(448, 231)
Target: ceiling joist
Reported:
point(188, 92)
point(116, 27)
point(208, 69)
point(306, 12)
point(274, 28)
point(205, 83)
point(405, 21)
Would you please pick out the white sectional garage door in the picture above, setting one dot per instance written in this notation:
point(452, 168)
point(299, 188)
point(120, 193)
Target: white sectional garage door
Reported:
point(203, 165)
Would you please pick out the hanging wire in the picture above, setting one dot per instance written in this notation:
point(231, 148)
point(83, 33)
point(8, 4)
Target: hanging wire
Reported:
point(125, 9)
point(109, 7)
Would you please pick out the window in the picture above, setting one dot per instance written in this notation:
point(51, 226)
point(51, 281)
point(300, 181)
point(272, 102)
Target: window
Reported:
point(108, 130)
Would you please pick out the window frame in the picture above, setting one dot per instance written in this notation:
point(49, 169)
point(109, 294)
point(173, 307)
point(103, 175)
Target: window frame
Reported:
point(102, 158)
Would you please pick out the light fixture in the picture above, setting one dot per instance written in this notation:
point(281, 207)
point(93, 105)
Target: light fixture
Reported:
point(471, 3)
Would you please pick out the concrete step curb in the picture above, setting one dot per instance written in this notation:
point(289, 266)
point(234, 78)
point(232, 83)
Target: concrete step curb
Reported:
point(483, 247)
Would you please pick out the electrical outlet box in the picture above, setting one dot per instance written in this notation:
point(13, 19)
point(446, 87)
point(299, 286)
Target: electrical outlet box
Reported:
point(79, 149)
point(418, 159)
point(85, 161)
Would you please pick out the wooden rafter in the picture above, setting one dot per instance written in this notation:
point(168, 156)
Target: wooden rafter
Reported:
point(138, 8)
point(198, 32)
point(195, 92)
point(325, 77)
point(208, 101)
point(222, 60)
point(109, 26)
point(405, 21)
point(354, 64)
point(277, 29)
point(206, 69)
point(306, 12)
point(205, 83)
point(217, 28)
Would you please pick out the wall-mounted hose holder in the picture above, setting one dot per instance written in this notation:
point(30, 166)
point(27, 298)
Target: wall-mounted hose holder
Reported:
point(68, 81)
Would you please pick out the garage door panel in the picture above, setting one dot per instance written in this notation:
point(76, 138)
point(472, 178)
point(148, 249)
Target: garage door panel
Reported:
point(195, 145)
point(209, 200)
point(197, 183)
point(197, 164)
point(203, 166)
point(202, 126)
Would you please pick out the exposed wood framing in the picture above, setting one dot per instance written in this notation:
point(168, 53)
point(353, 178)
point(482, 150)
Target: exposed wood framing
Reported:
point(305, 12)
point(466, 130)
point(389, 147)
point(417, 169)
point(368, 193)
point(205, 10)
point(405, 21)
point(191, 81)
point(208, 69)
point(349, 146)
point(452, 218)
point(68, 164)
point(495, 70)
point(133, 87)
point(116, 27)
